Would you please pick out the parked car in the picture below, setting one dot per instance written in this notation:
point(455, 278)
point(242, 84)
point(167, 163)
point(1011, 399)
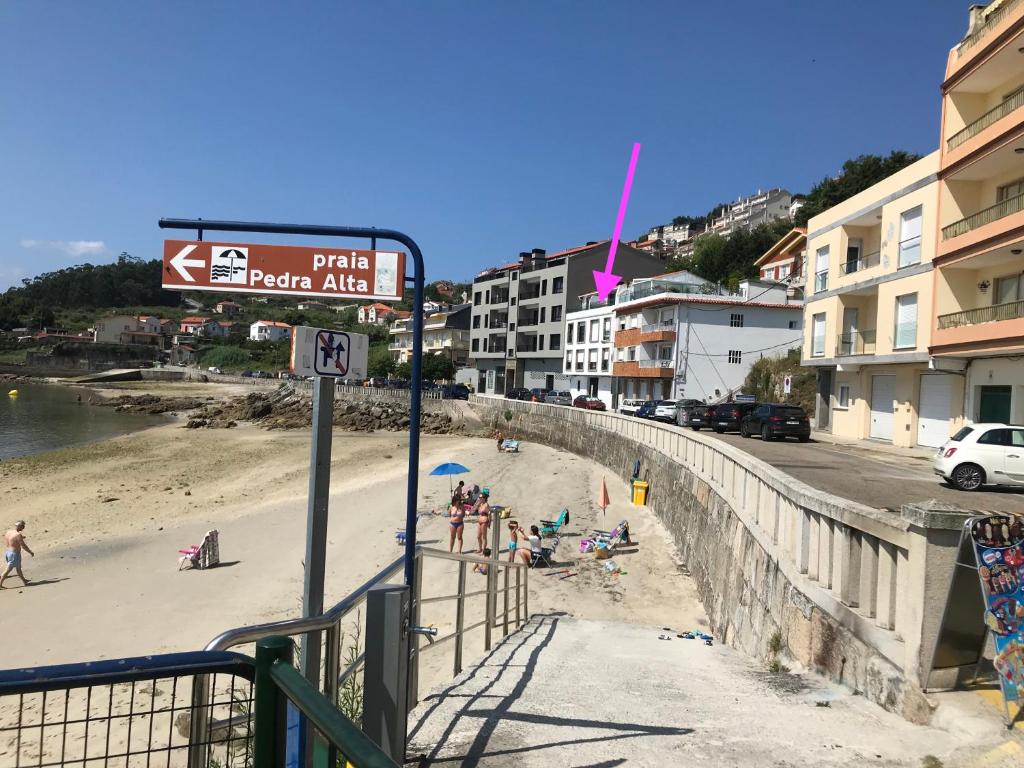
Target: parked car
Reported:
point(519, 393)
point(455, 392)
point(588, 402)
point(630, 406)
point(700, 416)
point(558, 397)
point(683, 410)
point(774, 420)
point(982, 454)
point(646, 411)
point(375, 381)
point(665, 411)
point(246, 374)
point(537, 394)
point(728, 416)
point(214, 369)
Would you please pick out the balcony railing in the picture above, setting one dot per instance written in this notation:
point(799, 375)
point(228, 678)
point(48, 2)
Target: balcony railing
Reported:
point(494, 348)
point(664, 325)
point(529, 295)
point(497, 324)
point(993, 213)
point(1015, 101)
point(1012, 310)
point(821, 282)
point(993, 18)
point(856, 343)
point(527, 347)
point(656, 364)
point(526, 322)
point(859, 265)
point(499, 298)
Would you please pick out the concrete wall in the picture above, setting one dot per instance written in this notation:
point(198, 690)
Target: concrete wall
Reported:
point(852, 592)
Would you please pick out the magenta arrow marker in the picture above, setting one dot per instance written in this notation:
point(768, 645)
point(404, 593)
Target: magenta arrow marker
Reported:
point(605, 282)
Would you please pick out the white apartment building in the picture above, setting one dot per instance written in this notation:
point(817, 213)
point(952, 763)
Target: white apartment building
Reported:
point(445, 331)
point(269, 330)
point(590, 350)
point(749, 212)
point(676, 339)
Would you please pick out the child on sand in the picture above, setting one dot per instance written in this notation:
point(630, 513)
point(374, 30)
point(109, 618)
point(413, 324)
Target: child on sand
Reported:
point(480, 567)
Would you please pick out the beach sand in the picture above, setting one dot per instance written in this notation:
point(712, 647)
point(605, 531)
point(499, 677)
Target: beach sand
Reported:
point(107, 520)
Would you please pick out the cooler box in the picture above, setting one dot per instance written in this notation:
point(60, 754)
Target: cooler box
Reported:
point(639, 493)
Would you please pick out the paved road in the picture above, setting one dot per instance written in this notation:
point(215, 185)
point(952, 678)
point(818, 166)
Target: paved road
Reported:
point(876, 478)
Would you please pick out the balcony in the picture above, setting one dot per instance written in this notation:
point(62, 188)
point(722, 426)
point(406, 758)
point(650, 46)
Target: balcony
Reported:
point(529, 292)
point(644, 369)
point(528, 320)
point(855, 343)
point(495, 348)
point(528, 344)
point(997, 329)
point(985, 29)
point(499, 297)
point(1013, 310)
point(1013, 102)
point(821, 281)
point(858, 265)
point(985, 216)
point(656, 332)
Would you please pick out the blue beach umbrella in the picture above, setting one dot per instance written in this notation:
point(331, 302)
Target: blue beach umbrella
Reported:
point(449, 468)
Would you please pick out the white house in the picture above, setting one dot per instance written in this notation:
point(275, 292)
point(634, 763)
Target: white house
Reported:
point(377, 314)
point(590, 350)
point(108, 330)
point(269, 330)
point(199, 326)
point(149, 323)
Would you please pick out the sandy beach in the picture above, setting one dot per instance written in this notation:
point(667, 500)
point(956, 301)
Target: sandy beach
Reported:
point(107, 520)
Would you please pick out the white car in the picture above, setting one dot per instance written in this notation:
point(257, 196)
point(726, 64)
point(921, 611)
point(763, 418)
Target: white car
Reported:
point(982, 454)
point(630, 407)
point(214, 369)
point(665, 410)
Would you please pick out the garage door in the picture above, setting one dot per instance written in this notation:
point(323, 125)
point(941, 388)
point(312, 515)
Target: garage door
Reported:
point(933, 411)
point(883, 393)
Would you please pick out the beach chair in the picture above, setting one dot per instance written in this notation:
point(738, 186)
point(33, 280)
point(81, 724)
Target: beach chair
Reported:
point(202, 556)
point(620, 533)
point(190, 556)
point(545, 554)
point(508, 445)
point(553, 527)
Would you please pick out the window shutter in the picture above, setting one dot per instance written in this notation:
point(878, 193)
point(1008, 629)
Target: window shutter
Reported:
point(906, 320)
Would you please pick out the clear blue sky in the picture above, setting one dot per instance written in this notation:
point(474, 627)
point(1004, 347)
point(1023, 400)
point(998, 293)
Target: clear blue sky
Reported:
point(479, 128)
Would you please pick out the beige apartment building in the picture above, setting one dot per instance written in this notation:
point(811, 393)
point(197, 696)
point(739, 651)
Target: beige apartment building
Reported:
point(978, 312)
point(867, 313)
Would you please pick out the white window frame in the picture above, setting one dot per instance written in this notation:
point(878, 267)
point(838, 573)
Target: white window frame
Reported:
point(821, 257)
point(843, 397)
point(595, 331)
point(896, 322)
point(816, 349)
point(909, 255)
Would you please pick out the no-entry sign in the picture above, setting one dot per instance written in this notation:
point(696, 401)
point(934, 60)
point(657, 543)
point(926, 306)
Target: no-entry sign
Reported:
point(194, 265)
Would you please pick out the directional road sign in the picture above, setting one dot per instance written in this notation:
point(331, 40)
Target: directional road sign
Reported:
point(327, 352)
point(195, 265)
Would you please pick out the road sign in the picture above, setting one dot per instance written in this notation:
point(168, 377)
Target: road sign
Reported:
point(326, 352)
point(287, 270)
point(787, 384)
point(744, 399)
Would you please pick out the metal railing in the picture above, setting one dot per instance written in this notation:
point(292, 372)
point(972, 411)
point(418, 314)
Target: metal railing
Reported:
point(855, 343)
point(857, 265)
point(985, 216)
point(665, 325)
point(1011, 310)
point(983, 29)
point(656, 364)
point(335, 671)
point(1013, 102)
point(821, 281)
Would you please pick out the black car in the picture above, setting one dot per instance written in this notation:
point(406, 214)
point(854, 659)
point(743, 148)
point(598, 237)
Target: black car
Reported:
point(773, 420)
point(646, 411)
point(728, 416)
point(700, 416)
point(519, 393)
point(455, 392)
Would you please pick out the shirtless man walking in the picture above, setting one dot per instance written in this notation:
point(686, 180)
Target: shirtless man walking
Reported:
point(14, 542)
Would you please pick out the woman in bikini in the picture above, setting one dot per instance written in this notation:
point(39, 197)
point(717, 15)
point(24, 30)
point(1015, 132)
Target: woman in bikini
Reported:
point(483, 521)
point(455, 525)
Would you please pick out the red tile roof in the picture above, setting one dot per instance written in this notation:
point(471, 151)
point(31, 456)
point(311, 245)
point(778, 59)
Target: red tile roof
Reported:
point(196, 321)
point(272, 323)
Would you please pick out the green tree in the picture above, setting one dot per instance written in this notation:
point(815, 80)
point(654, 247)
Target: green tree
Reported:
point(856, 175)
point(404, 370)
point(438, 367)
point(379, 362)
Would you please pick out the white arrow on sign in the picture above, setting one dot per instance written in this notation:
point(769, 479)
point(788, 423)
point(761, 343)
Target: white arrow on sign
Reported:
point(181, 260)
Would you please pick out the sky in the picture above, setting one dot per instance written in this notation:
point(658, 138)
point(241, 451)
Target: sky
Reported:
point(481, 129)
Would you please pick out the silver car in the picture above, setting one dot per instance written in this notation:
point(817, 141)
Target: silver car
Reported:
point(558, 397)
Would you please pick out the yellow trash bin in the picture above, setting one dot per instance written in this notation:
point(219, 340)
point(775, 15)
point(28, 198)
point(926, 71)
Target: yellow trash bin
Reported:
point(639, 493)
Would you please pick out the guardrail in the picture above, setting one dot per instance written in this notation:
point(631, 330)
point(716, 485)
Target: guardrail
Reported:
point(1011, 310)
point(855, 343)
point(983, 29)
point(863, 567)
point(857, 265)
point(1000, 210)
point(1014, 102)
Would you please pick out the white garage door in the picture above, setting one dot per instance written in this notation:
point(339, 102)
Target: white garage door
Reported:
point(933, 413)
point(883, 393)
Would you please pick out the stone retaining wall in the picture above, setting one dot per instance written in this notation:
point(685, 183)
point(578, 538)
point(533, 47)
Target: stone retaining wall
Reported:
point(845, 589)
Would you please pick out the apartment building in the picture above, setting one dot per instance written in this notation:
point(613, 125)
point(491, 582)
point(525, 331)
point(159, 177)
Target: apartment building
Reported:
point(590, 349)
point(977, 317)
point(519, 311)
point(749, 212)
point(678, 336)
point(445, 331)
point(786, 261)
point(868, 299)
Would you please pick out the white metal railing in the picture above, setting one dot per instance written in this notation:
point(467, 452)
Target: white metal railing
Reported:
point(664, 325)
point(656, 364)
point(851, 560)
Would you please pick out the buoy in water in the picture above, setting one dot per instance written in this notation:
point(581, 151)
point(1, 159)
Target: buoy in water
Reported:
point(12, 393)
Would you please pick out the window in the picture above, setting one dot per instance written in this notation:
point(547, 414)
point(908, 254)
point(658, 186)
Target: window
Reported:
point(622, 323)
point(476, 298)
point(581, 332)
point(474, 345)
point(766, 274)
point(606, 330)
point(665, 353)
point(910, 237)
point(592, 360)
point(1007, 289)
point(555, 341)
point(515, 275)
point(542, 314)
point(595, 331)
point(995, 437)
point(1009, 191)
point(511, 326)
point(792, 325)
point(964, 432)
point(557, 284)
point(631, 353)
point(513, 301)
point(485, 321)
point(735, 356)
point(568, 361)
point(540, 342)
point(735, 321)
point(818, 336)
point(843, 400)
point(821, 270)
point(579, 359)
point(783, 270)
point(476, 321)
point(606, 357)
point(543, 287)
point(906, 321)
point(556, 314)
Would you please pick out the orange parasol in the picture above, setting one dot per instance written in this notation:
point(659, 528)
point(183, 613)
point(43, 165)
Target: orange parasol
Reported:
point(603, 499)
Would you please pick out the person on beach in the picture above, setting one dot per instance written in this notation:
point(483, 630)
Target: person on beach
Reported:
point(535, 545)
point(515, 536)
point(483, 520)
point(500, 437)
point(480, 567)
point(455, 526)
point(459, 494)
point(14, 542)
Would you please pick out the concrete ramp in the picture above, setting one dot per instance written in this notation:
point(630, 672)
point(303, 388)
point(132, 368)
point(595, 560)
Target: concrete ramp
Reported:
point(567, 692)
point(116, 374)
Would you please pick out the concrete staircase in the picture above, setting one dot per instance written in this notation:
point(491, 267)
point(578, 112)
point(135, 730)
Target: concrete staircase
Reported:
point(568, 692)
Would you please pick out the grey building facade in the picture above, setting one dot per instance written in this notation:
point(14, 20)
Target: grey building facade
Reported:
point(518, 315)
